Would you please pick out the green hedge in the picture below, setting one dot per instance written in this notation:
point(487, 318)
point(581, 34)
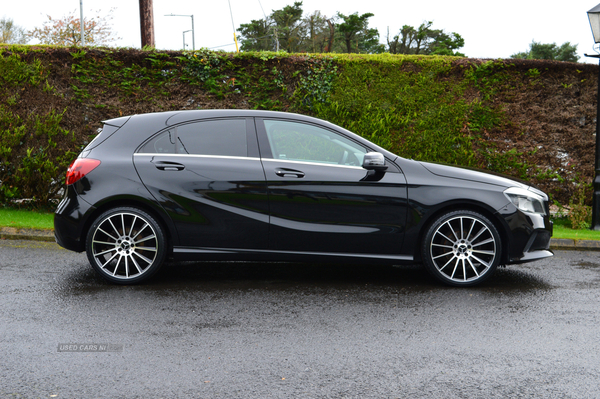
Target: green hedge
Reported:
point(442, 109)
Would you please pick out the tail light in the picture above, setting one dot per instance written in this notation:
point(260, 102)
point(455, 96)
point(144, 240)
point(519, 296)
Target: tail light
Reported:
point(79, 168)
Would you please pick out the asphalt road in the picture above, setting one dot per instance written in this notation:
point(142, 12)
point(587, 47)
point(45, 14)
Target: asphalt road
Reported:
point(249, 330)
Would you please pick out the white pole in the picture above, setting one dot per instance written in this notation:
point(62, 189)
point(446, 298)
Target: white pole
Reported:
point(81, 22)
point(193, 34)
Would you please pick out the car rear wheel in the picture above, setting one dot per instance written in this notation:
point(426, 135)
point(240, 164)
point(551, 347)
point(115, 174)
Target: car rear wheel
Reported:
point(461, 248)
point(126, 245)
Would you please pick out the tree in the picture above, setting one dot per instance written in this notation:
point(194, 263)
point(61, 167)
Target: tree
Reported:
point(280, 30)
point(289, 30)
point(317, 31)
point(446, 44)
point(355, 30)
point(286, 29)
point(549, 51)
point(66, 31)
point(424, 40)
point(408, 40)
point(329, 45)
point(256, 36)
point(11, 33)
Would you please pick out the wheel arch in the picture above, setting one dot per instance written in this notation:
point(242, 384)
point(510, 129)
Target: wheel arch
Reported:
point(166, 224)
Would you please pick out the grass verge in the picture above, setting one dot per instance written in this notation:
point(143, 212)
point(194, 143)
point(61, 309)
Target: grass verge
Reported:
point(25, 219)
point(562, 229)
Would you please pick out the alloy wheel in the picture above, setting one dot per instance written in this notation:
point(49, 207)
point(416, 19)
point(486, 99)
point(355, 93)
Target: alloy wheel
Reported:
point(463, 249)
point(124, 245)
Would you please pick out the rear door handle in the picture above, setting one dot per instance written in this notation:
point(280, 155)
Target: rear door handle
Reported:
point(169, 166)
point(284, 172)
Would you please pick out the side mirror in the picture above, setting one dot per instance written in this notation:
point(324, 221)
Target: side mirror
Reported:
point(374, 161)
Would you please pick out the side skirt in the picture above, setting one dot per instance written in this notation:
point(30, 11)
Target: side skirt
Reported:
point(187, 253)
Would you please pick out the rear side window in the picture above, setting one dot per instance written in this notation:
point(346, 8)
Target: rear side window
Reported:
point(224, 137)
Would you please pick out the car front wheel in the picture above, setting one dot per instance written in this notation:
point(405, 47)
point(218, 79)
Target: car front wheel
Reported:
point(461, 248)
point(126, 245)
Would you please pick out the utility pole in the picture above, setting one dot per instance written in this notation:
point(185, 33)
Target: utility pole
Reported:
point(147, 23)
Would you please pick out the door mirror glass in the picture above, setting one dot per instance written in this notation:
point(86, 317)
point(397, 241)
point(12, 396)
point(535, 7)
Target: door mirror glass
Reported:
point(374, 161)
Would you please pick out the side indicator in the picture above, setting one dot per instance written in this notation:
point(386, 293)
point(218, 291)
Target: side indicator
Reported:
point(79, 168)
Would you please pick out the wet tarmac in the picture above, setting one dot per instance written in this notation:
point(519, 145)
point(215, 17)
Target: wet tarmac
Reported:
point(252, 330)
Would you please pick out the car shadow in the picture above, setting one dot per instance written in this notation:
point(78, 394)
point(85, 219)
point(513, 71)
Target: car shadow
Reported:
point(297, 277)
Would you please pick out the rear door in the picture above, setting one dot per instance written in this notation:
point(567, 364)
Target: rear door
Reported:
point(321, 199)
point(208, 177)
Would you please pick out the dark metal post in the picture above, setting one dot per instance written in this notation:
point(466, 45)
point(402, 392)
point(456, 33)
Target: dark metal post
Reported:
point(594, 17)
point(147, 23)
point(596, 196)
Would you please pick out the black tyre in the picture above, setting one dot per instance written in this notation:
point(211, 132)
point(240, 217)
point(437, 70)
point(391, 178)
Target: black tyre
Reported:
point(126, 245)
point(461, 248)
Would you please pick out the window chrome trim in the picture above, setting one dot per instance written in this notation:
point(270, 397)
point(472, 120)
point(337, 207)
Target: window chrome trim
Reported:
point(312, 163)
point(164, 154)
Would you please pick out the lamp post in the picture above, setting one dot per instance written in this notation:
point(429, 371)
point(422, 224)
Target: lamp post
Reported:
point(184, 32)
point(594, 17)
point(193, 41)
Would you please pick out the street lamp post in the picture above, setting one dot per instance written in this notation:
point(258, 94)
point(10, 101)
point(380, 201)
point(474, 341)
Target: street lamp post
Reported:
point(594, 17)
point(193, 41)
point(184, 32)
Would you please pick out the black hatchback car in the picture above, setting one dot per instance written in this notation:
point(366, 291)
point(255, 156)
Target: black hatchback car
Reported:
point(261, 185)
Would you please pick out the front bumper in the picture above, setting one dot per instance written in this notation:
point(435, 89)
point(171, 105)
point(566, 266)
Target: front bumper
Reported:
point(531, 235)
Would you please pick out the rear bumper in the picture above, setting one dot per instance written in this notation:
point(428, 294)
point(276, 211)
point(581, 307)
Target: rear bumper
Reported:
point(68, 221)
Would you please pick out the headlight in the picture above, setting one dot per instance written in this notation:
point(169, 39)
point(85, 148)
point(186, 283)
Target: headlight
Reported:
point(526, 200)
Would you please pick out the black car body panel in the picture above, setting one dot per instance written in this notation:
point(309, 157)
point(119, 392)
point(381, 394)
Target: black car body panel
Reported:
point(332, 209)
point(430, 193)
point(255, 196)
point(208, 196)
point(470, 174)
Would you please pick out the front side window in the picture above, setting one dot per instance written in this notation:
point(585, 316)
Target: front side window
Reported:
point(301, 142)
point(216, 137)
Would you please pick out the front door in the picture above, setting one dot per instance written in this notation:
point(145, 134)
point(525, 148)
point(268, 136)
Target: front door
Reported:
point(322, 200)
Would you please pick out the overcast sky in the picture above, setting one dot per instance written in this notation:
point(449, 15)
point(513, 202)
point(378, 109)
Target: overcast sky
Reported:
point(491, 29)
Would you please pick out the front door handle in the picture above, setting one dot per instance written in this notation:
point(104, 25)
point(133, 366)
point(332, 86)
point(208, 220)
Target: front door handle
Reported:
point(285, 172)
point(169, 166)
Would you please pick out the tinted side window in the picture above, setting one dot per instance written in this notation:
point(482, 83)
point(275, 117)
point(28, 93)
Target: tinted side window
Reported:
point(216, 137)
point(301, 142)
point(164, 143)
